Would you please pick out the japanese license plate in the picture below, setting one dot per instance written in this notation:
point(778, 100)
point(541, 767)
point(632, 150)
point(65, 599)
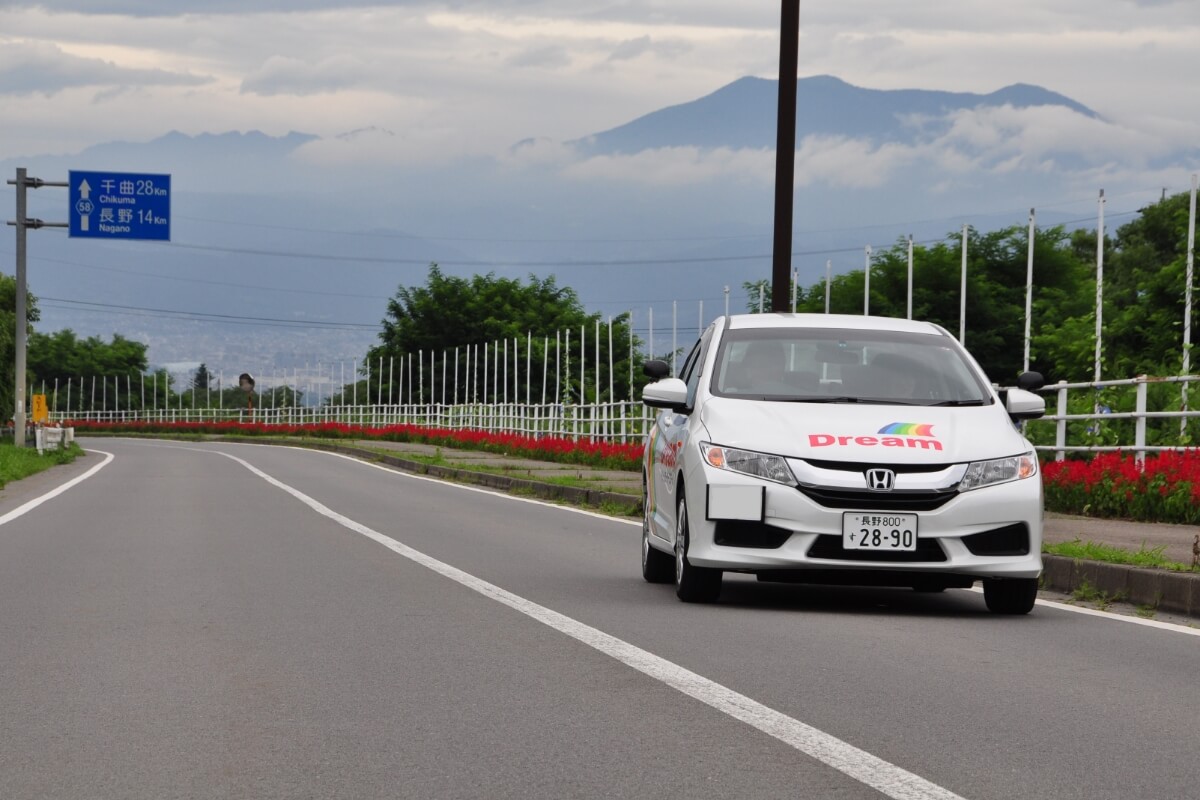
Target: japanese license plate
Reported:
point(879, 531)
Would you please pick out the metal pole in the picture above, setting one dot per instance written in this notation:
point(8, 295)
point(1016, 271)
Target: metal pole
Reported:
point(19, 373)
point(1029, 292)
point(962, 294)
point(795, 281)
point(675, 328)
point(1187, 302)
point(726, 311)
point(650, 338)
point(1099, 284)
point(867, 283)
point(828, 283)
point(612, 393)
point(785, 152)
point(910, 275)
point(762, 291)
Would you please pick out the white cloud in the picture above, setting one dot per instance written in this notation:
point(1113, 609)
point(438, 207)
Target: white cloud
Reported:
point(45, 68)
point(283, 75)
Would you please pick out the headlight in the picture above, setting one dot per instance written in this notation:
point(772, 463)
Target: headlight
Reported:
point(747, 462)
point(999, 470)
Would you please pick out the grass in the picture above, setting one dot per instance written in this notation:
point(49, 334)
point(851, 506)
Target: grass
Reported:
point(1151, 557)
point(1086, 593)
point(17, 462)
point(439, 460)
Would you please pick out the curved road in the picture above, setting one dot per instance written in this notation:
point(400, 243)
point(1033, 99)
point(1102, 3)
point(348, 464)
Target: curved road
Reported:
point(237, 621)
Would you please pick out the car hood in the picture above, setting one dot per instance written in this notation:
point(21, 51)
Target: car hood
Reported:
point(863, 433)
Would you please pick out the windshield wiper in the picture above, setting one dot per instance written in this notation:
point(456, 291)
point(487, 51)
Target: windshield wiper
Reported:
point(950, 403)
point(823, 400)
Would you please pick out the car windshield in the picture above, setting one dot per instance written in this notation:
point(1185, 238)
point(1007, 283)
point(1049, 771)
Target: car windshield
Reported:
point(823, 365)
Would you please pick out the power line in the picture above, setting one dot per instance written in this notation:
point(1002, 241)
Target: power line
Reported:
point(204, 316)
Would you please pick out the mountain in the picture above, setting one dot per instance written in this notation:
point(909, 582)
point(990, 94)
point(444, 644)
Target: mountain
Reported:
point(743, 115)
point(291, 245)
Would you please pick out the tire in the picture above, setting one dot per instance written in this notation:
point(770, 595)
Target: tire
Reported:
point(1010, 595)
point(692, 584)
point(657, 566)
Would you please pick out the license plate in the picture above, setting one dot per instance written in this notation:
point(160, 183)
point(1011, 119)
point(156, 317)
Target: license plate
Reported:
point(879, 531)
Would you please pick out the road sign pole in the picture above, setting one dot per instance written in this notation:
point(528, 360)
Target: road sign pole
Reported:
point(22, 224)
point(19, 374)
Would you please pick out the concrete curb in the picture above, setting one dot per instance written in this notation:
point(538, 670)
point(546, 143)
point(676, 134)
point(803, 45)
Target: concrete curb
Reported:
point(1160, 589)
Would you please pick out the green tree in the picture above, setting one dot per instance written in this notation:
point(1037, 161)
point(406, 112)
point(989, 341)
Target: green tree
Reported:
point(8, 333)
point(201, 378)
point(449, 312)
point(61, 356)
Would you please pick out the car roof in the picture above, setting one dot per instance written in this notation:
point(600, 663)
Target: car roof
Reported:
point(840, 321)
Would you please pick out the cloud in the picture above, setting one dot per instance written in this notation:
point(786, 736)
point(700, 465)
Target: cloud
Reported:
point(677, 166)
point(544, 56)
point(631, 48)
point(282, 75)
point(40, 68)
point(967, 145)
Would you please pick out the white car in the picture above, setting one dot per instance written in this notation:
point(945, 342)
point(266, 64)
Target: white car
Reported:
point(851, 450)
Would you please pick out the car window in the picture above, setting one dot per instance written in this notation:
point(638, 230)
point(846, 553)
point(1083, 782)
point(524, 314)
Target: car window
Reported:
point(836, 365)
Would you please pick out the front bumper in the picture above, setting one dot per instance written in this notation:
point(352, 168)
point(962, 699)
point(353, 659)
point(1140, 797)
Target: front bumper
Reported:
point(796, 534)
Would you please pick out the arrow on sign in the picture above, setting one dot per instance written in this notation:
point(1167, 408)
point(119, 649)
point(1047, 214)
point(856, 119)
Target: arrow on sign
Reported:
point(85, 189)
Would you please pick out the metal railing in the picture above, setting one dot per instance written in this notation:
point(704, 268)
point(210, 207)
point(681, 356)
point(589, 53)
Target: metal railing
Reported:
point(1139, 415)
point(610, 422)
point(1131, 415)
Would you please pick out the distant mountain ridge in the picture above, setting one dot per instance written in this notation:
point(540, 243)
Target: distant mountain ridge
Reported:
point(743, 114)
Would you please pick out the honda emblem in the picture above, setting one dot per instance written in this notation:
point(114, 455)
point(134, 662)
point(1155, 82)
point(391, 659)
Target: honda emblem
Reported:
point(881, 480)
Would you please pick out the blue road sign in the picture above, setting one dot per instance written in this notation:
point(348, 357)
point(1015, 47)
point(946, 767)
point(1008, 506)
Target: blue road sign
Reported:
point(119, 205)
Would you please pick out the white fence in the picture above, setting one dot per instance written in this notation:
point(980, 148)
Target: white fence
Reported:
point(1137, 415)
point(611, 422)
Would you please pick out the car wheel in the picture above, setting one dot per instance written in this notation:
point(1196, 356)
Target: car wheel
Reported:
point(1010, 595)
point(657, 566)
point(692, 584)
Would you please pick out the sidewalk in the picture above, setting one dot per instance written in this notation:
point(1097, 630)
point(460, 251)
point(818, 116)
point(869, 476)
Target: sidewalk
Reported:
point(620, 492)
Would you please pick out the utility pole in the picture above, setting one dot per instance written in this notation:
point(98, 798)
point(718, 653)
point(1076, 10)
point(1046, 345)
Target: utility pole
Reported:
point(785, 153)
point(22, 224)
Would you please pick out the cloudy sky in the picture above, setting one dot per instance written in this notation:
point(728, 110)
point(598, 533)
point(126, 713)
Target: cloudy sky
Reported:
point(449, 79)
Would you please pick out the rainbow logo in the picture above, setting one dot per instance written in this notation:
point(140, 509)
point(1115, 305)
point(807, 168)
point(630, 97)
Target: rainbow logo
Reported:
point(907, 429)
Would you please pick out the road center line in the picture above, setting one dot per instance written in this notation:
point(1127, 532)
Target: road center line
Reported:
point(883, 776)
point(24, 509)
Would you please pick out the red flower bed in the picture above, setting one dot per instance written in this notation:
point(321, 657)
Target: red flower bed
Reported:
point(547, 448)
point(1112, 485)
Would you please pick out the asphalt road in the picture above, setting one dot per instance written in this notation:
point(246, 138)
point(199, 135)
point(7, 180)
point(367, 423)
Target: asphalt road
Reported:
point(290, 623)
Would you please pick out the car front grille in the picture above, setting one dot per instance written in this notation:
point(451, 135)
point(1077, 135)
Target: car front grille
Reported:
point(866, 500)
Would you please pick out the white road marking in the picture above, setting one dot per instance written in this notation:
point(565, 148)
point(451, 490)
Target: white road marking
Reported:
point(1149, 623)
point(24, 509)
point(1093, 612)
point(883, 776)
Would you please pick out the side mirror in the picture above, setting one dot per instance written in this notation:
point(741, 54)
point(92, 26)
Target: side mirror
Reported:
point(668, 393)
point(1022, 404)
point(1030, 381)
point(656, 370)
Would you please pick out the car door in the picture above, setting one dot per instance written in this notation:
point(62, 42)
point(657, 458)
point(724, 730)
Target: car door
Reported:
point(670, 437)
